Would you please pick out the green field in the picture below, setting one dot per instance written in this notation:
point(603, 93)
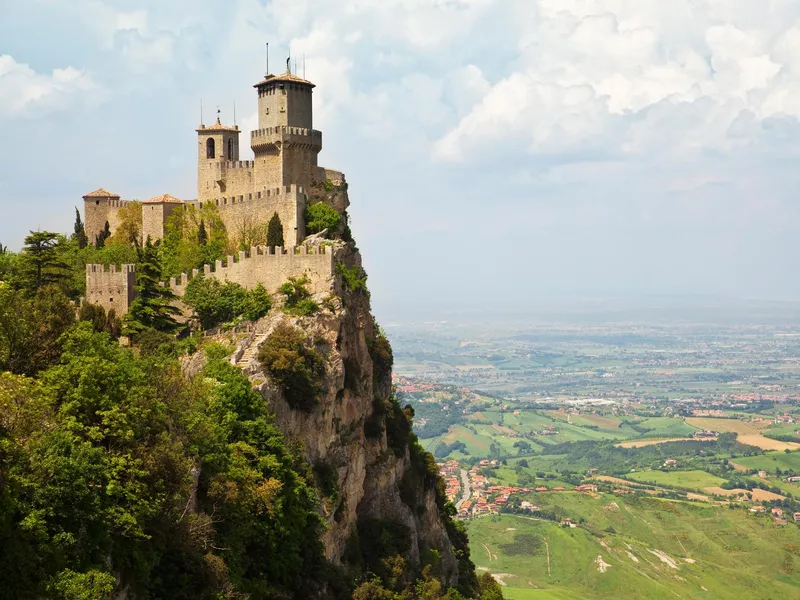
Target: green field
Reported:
point(693, 480)
point(652, 548)
point(667, 427)
point(771, 461)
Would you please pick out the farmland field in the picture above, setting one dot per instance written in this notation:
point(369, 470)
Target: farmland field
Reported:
point(729, 425)
point(684, 479)
point(657, 549)
point(772, 460)
point(648, 442)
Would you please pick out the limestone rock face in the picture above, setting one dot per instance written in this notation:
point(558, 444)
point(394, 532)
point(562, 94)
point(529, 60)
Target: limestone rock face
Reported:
point(346, 435)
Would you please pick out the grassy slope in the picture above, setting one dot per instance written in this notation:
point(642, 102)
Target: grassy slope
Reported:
point(771, 461)
point(737, 556)
point(685, 479)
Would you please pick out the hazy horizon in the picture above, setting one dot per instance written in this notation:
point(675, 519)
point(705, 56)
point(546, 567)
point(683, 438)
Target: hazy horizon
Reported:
point(500, 155)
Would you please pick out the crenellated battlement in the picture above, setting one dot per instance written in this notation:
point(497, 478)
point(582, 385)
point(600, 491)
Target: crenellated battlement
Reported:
point(110, 286)
point(268, 266)
point(112, 203)
point(284, 134)
point(288, 191)
point(97, 269)
point(238, 164)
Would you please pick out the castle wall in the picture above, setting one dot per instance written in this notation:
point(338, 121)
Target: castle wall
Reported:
point(96, 211)
point(271, 267)
point(268, 170)
point(111, 287)
point(154, 217)
point(241, 212)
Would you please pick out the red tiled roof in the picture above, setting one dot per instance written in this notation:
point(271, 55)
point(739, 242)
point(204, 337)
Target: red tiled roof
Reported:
point(101, 193)
point(291, 77)
point(163, 198)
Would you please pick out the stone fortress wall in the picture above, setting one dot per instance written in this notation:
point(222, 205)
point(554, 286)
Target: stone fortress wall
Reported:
point(110, 287)
point(282, 179)
point(113, 288)
point(239, 212)
point(270, 267)
point(97, 210)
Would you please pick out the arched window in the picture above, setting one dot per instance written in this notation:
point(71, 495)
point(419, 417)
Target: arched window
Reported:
point(210, 150)
point(230, 149)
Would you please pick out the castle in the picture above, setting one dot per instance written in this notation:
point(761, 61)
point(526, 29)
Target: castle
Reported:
point(283, 178)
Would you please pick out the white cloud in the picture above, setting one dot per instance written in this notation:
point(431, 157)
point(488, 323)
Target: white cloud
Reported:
point(26, 93)
point(620, 74)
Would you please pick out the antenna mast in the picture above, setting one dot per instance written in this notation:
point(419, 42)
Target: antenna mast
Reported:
point(267, 58)
point(201, 112)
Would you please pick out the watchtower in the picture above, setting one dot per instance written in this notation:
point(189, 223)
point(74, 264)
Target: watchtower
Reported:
point(216, 145)
point(100, 207)
point(285, 144)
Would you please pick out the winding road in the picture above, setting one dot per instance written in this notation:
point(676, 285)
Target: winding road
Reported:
point(466, 492)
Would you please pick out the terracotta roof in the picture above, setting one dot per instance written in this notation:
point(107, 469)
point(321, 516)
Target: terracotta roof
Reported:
point(163, 198)
point(219, 127)
point(101, 193)
point(291, 77)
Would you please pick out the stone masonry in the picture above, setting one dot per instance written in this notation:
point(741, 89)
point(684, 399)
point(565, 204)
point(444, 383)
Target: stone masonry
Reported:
point(247, 193)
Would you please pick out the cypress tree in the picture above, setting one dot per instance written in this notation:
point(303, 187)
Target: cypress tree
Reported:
point(80, 231)
point(275, 231)
point(100, 240)
point(153, 306)
point(202, 234)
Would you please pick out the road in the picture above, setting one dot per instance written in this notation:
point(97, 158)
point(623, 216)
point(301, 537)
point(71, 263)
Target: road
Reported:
point(466, 491)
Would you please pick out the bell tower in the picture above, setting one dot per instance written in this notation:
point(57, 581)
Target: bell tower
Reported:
point(216, 145)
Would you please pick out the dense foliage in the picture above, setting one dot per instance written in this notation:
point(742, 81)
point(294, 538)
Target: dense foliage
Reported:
point(294, 364)
point(298, 296)
point(115, 466)
point(215, 302)
point(321, 216)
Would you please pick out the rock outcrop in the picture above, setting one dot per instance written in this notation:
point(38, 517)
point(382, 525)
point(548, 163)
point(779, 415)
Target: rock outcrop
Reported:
point(355, 435)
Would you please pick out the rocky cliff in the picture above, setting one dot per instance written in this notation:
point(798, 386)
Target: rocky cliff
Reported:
point(373, 477)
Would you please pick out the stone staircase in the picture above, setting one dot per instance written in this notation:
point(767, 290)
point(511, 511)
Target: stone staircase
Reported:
point(248, 357)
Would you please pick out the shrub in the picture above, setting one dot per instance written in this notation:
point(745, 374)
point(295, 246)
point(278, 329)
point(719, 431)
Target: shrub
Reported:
point(216, 302)
point(298, 297)
point(354, 278)
point(294, 365)
point(320, 216)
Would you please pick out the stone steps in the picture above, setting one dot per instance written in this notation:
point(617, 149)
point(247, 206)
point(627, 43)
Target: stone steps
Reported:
point(249, 355)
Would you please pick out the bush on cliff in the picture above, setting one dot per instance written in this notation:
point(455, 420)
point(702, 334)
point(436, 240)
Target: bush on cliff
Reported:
point(298, 296)
point(216, 302)
point(294, 364)
point(320, 216)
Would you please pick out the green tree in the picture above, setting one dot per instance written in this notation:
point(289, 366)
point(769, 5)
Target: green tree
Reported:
point(321, 216)
point(298, 296)
point(153, 306)
point(202, 234)
point(41, 261)
point(79, 234)
point(490, 589)
point(275, 231)
point(294, 364)
point(100, 239)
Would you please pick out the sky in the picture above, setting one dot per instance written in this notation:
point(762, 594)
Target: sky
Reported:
point(500, 153)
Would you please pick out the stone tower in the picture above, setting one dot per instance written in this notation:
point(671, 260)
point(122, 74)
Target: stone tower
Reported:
point(285, 144)
point(217, 149)
point(100, 207)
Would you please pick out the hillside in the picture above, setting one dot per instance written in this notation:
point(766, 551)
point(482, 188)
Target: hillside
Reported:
point(235, 443)
point(632, 548)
